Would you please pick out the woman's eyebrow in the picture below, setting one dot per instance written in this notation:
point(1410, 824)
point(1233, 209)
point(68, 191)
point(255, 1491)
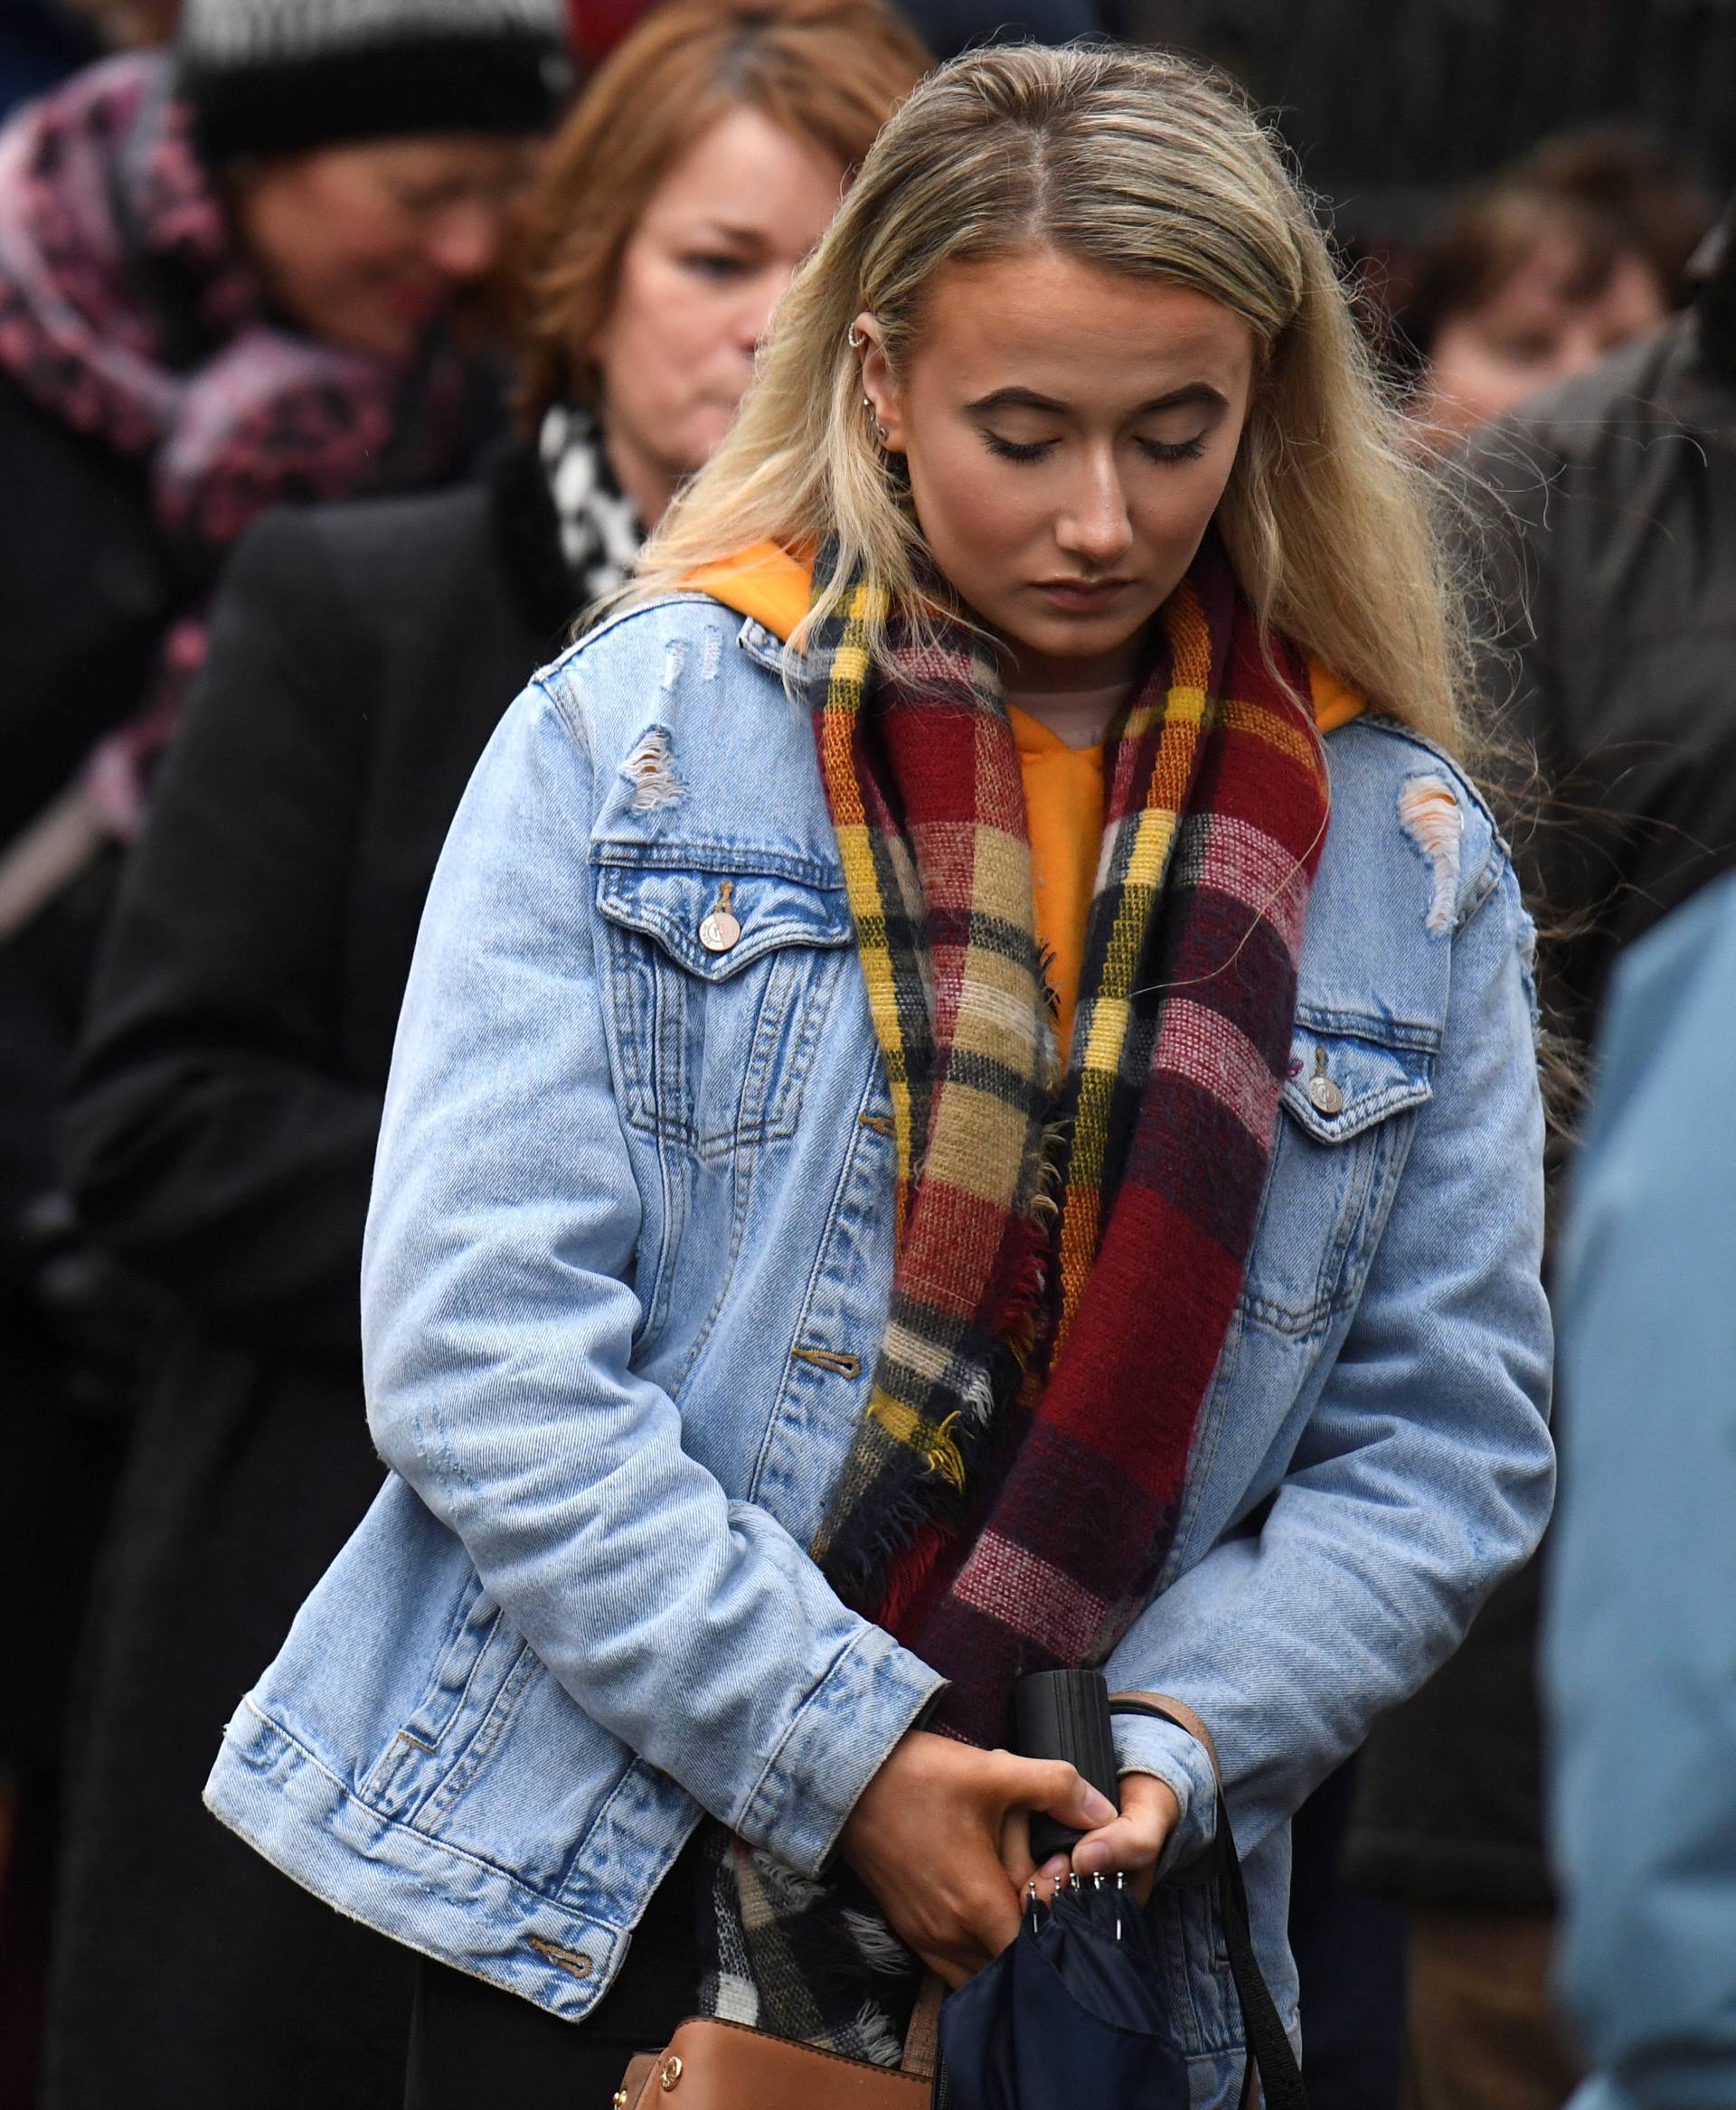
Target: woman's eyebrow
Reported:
point(725, 230)
point(1018, 399)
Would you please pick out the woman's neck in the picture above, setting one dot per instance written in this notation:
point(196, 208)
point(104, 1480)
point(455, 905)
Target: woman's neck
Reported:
point(646, 481)
point(1074, 698)
point(1078, 717)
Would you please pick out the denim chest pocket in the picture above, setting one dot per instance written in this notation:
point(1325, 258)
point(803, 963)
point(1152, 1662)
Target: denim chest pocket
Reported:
point(719, 982)
point(1348, 1107)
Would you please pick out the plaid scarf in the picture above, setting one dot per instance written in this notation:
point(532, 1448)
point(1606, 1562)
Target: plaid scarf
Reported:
point(1069, 1247)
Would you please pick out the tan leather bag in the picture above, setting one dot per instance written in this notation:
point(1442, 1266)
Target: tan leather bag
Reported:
point(708, 2064)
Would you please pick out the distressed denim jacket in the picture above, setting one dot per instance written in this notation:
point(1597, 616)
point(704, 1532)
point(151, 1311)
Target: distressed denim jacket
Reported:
point(627, 1268)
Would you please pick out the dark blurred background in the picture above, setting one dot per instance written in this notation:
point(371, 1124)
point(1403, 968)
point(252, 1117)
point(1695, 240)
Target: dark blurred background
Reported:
point(1390, 104)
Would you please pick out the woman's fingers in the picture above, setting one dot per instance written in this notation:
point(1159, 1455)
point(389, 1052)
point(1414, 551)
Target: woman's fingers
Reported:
point(1126, 1844)
point(1049, 1875)
point(1015, 1847)
point(1053, 1786)
point(1135, 1840)
point(1017, 1860)
point(1126, 1847)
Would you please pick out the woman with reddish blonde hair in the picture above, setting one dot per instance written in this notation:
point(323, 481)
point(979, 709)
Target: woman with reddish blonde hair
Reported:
point(226, 1105)
point(821, 72)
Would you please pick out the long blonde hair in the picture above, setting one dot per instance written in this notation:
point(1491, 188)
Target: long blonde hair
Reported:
point(1131, 161)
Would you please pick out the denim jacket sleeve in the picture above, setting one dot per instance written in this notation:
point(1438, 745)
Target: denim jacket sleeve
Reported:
point(1424, 1472)
point(498, 1315)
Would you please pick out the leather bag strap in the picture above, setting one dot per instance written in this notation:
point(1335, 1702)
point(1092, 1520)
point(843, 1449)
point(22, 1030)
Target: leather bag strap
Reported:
point(922, 2038)
point(1272, 2076)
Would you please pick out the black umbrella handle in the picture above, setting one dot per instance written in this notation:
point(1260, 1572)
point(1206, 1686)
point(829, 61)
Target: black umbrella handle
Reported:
point(1269, 2045)
point(1064, 1714)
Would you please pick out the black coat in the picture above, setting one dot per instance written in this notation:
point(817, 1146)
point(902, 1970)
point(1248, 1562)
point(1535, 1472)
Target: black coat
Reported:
point(221, 1136)
point(86, 588)
point(1617, 570)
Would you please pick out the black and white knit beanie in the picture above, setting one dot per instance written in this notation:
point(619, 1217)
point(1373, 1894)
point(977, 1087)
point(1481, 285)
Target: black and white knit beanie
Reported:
point(280, 76)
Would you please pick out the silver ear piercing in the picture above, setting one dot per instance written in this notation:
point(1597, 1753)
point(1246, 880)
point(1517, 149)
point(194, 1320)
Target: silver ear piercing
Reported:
point(856, 340)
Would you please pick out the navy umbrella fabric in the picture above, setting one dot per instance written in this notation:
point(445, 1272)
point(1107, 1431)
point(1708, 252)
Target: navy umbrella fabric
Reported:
point(1068, 2015)
point(1072, 2012)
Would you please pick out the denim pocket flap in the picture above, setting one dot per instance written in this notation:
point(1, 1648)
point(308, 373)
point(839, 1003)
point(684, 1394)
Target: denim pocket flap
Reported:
point(1342, 1083)
point(713, 924)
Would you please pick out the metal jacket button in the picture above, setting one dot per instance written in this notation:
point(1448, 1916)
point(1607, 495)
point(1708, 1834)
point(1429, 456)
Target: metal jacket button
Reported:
point(719, 930)
point(1323, 1094)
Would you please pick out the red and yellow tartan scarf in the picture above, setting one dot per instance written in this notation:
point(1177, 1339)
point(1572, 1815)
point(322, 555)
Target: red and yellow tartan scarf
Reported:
point(1070, 1243)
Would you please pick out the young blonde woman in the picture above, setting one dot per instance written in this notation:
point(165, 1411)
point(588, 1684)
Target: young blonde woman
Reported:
point(966, 1104)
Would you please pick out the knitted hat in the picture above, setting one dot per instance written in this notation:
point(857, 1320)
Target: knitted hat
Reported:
point(280, 76)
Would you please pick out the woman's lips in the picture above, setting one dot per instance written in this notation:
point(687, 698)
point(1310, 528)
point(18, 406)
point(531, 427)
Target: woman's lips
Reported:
point(1082, 596)
point(414, 301)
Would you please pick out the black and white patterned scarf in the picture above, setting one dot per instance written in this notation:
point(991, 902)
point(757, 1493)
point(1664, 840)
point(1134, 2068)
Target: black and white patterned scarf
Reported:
point(601, 534)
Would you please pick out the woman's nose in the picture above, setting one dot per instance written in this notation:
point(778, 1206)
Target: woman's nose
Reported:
point(1096, 527)
point(464, 243)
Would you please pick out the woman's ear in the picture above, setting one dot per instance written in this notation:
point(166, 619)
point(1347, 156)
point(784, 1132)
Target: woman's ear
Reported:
point(880, 389)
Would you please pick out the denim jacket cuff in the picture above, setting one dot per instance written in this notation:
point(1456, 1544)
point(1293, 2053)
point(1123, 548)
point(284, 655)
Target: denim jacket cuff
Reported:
point(841, 1736)
point(1143, 1744)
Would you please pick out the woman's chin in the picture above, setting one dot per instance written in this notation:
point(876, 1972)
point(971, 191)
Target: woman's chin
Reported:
point(1100, 635)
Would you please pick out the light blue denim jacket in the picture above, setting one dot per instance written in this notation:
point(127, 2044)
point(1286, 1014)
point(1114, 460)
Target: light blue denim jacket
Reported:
point(625, 1272)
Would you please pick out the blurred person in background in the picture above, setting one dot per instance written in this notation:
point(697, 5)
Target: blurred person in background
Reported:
point(223, 275)
point(1612, 555)
point(1571, 251)
point(1641, 1624)
point(225, 1105)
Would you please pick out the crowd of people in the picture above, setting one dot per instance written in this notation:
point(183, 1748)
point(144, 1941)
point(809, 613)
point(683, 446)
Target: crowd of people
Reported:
point(1002, 1065)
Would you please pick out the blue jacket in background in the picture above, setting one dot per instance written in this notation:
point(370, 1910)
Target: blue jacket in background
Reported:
point(1642, 1631)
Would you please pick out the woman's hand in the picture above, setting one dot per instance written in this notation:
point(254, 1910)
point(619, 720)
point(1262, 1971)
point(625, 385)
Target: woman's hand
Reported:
point(1134, 1841)
point(926, 1838)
